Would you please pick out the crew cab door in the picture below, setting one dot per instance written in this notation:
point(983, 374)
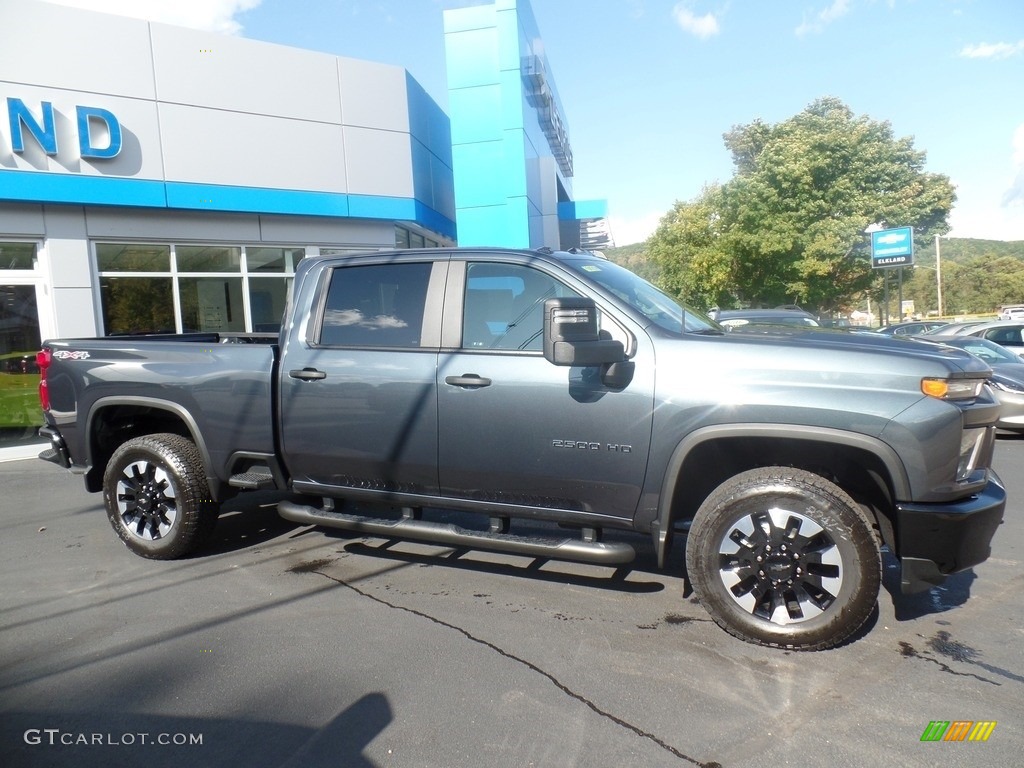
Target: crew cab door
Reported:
point(515, 429)
point(358, 387)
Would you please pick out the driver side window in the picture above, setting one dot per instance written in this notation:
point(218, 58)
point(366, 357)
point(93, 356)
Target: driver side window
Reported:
point(504, 306)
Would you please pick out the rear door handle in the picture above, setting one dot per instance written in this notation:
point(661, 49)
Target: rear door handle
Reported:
point(470, 380)
point(307, 374)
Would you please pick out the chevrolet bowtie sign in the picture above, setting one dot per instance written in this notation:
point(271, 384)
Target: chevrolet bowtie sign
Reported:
point(892, 247)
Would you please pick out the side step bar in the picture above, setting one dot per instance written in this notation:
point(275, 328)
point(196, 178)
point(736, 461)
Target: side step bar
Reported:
point(257, 478)
point(584, 550)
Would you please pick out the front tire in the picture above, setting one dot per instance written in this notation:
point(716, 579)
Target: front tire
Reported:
point(782, 557)
point(157, 498)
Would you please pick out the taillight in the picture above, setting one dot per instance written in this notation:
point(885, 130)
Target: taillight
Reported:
point(43, 359)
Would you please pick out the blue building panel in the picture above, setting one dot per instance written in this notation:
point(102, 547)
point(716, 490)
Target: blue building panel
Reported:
point(478, 171)
point(478, 114)
point(529, 172)
point(472, 57)
point(489, 226)
point(467, 19)
point(219, 197)
point(37, 187)
point(579, 210)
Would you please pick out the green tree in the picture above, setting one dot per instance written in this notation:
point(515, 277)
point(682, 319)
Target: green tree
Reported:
point(687, 250)
point(789, 226)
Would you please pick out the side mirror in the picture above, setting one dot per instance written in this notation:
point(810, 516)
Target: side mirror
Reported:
point(571, 335)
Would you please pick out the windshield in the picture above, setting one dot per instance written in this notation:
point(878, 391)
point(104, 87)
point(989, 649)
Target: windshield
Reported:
point(987, 350)
point(658, 307)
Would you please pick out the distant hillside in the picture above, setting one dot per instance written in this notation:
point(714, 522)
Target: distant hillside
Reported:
point(961, 249)
point(954, 249)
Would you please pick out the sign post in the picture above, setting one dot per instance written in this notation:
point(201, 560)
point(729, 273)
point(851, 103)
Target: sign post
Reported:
point(892, 248)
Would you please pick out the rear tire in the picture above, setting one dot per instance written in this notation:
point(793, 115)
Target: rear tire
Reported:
point(780, 556)
point(157, 497)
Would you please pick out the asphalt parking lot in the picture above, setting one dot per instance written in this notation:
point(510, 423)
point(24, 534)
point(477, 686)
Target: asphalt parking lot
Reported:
point(283, 645)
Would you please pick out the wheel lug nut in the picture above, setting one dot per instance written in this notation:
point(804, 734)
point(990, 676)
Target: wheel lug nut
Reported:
point(760, 559)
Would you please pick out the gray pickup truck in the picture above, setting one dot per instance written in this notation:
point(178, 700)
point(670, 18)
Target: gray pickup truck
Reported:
point(534, 386)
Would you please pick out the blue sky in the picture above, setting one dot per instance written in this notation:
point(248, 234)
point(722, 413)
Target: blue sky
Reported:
point(649, 86)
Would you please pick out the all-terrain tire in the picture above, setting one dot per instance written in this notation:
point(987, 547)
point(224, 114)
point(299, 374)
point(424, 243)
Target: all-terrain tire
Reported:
point(157, 497)
point(783, 557)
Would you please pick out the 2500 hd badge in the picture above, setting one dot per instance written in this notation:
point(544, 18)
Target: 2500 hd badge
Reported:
point(584, 445)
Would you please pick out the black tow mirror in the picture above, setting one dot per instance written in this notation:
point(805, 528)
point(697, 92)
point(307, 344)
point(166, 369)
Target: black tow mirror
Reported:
point(571, 335)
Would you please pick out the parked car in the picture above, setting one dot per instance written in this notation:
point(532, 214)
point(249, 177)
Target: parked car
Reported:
point(1007, 376)
point(736, 318)
point(1007, 333)
point(956, 328)
point(1015, 312)
point(911, 328)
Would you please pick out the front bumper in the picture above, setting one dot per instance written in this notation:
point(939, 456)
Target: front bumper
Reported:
point(936, 540)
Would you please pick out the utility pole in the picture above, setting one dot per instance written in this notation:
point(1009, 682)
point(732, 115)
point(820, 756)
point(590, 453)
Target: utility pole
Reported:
point(938, 274)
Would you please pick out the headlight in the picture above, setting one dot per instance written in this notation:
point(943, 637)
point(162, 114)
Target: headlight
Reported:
point(1006, 385)
point(952, 389)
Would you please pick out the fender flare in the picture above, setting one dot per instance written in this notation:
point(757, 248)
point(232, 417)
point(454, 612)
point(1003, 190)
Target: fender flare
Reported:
point(662, 529)
point(151, 402)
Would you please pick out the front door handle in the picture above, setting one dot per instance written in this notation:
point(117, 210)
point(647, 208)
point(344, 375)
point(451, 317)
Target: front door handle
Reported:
point(307, 374)
point(470, 380)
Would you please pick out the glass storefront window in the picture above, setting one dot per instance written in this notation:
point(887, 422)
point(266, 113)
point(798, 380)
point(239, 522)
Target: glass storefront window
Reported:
point(20, 414)
point(281, 260)
point(120, 257)
point(211, 288)
point(17, 255)
point(401, 237)
point(267, 299)
point(208, 258)
point(137, 305)
point(211, 304)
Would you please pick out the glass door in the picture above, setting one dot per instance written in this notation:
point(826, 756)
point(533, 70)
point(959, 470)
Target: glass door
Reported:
point(20, 415)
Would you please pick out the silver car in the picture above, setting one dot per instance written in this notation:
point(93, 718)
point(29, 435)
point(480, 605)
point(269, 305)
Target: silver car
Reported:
point(1006, 333)
point(1007, 376)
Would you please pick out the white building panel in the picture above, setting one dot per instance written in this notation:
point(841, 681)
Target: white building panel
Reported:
point(378, 162)
point(235, 74)
point(75, 50)
point(210, 146)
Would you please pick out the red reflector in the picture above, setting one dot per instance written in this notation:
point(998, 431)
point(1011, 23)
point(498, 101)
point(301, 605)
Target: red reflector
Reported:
point(43, 359)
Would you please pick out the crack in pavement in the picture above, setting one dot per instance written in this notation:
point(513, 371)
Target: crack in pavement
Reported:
point(529, 665)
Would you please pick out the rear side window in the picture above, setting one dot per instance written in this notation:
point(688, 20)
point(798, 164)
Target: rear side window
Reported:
point(378, 305)
point(1004, 336)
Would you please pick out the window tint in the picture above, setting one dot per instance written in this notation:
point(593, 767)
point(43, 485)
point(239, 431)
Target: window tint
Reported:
point(1004, 335)
point(376, 306)
point(504, 306)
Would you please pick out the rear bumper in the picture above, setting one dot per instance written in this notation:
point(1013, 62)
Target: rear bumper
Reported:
point(936, 540)
point(58, 451)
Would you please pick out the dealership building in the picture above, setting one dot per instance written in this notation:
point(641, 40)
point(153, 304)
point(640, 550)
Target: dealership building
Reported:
point(155, 178)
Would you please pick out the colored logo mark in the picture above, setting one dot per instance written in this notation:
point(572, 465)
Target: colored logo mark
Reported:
point(958, 730)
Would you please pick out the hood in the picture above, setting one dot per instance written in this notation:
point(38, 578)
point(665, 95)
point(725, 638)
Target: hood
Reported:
point(958, 361)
